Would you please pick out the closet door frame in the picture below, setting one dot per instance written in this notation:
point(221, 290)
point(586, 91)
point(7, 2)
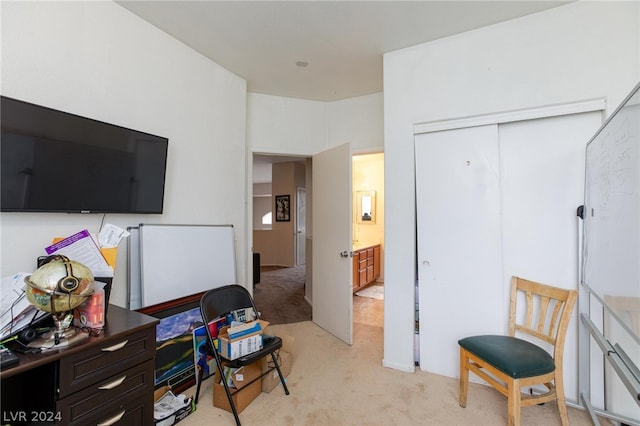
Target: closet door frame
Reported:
point(510, 116)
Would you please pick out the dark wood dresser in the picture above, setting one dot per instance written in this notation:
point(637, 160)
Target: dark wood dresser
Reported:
point(107, 380)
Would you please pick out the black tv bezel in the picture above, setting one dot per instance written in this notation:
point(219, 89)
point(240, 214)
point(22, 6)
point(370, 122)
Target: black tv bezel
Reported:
point(161, 139)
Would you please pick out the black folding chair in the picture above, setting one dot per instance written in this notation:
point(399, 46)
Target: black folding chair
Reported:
point(217, 303)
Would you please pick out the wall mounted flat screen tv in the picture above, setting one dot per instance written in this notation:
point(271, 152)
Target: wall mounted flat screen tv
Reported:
point(53, 161)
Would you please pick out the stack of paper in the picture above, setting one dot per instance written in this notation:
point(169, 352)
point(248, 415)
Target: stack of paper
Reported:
point(82, 248)
point(15, 310)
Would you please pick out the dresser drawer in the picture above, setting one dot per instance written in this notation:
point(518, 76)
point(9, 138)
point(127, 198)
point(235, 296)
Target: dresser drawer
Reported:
point(107, 398)
point(108, 359)
point(136, 412)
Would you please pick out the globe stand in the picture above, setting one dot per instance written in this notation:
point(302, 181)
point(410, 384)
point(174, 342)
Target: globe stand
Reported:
point(61, 336)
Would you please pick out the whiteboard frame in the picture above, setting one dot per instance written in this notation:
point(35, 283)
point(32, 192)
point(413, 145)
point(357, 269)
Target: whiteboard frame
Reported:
point(175, 261)
point(134, 298)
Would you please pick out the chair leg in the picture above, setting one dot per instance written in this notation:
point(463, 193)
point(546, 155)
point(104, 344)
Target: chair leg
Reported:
point(227, 391)
point(513, 403)
point(284, 384)
point(464, 378)
point(562, 405)
point(200, 374)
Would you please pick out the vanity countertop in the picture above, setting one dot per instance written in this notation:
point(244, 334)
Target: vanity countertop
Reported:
point(360, 246)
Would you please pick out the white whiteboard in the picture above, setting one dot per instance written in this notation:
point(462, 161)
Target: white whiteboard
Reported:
point(611, 246)
point(611, 260)
point(181, 260)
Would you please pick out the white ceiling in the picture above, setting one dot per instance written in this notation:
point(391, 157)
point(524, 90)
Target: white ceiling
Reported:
point(342, 41)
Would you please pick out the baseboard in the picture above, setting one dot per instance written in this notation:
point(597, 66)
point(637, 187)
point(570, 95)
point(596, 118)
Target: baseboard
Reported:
point(400, 367)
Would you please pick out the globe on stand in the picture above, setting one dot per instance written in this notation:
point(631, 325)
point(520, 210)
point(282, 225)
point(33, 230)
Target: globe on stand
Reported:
point(59, 287)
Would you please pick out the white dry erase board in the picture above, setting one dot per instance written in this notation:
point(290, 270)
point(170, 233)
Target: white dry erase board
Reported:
point(610, 291)
point(181, 260)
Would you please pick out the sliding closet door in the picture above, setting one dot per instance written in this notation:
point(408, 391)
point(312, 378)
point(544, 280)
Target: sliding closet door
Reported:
point(459, 241)
point(542, 170)
point(542, 173)
point(495, 201)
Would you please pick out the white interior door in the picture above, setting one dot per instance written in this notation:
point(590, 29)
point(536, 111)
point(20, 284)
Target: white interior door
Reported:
point(301, 225)
point(332, 244)
point(459, 241)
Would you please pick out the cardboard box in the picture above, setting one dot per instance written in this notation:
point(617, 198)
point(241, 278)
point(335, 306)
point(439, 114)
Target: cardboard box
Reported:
point(271, 380)
point(288, 343)
point(244, 329)
point(234, 348)
point(240, 380)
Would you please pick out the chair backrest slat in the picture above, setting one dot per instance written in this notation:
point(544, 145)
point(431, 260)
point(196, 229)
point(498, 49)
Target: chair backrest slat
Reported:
point(542, 317)
point(547, 311)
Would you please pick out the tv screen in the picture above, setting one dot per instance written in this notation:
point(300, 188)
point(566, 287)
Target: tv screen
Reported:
point(53, 161)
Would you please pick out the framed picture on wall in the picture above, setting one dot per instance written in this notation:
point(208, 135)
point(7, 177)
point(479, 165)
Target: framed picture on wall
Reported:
point(283, 211)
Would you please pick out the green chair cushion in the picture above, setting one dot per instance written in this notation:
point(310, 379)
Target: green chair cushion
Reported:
point(516, 357)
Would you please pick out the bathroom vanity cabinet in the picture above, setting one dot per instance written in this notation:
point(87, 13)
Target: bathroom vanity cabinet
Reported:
point(366, 266)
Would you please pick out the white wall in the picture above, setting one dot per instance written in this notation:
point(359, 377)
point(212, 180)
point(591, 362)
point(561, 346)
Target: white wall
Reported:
point(277, 124)
point(98, 60)
point(359, 121)
point(300, 127)
point(580, 51)
point(282, 125)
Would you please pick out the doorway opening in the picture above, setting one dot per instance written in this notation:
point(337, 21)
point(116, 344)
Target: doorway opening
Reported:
point(279, 190)
point(368, 238)
point(284, 247)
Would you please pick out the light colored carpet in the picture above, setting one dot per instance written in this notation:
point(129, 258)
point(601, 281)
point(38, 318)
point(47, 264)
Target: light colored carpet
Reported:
point(375, 291)
point(280, 296)
point(335, 384)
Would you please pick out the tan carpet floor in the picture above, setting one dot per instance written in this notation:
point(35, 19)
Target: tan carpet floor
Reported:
point(332, 383)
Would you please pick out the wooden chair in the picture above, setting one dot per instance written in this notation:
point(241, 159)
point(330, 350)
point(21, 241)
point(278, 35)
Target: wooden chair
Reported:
point(509, 363)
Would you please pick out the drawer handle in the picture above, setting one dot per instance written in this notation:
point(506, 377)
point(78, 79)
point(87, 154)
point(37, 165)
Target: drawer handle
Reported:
point(115, 347)
point(115, 383)
point(113, 419)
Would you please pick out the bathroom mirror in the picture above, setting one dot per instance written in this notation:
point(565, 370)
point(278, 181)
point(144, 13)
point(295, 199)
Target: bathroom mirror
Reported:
point(366, 206)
